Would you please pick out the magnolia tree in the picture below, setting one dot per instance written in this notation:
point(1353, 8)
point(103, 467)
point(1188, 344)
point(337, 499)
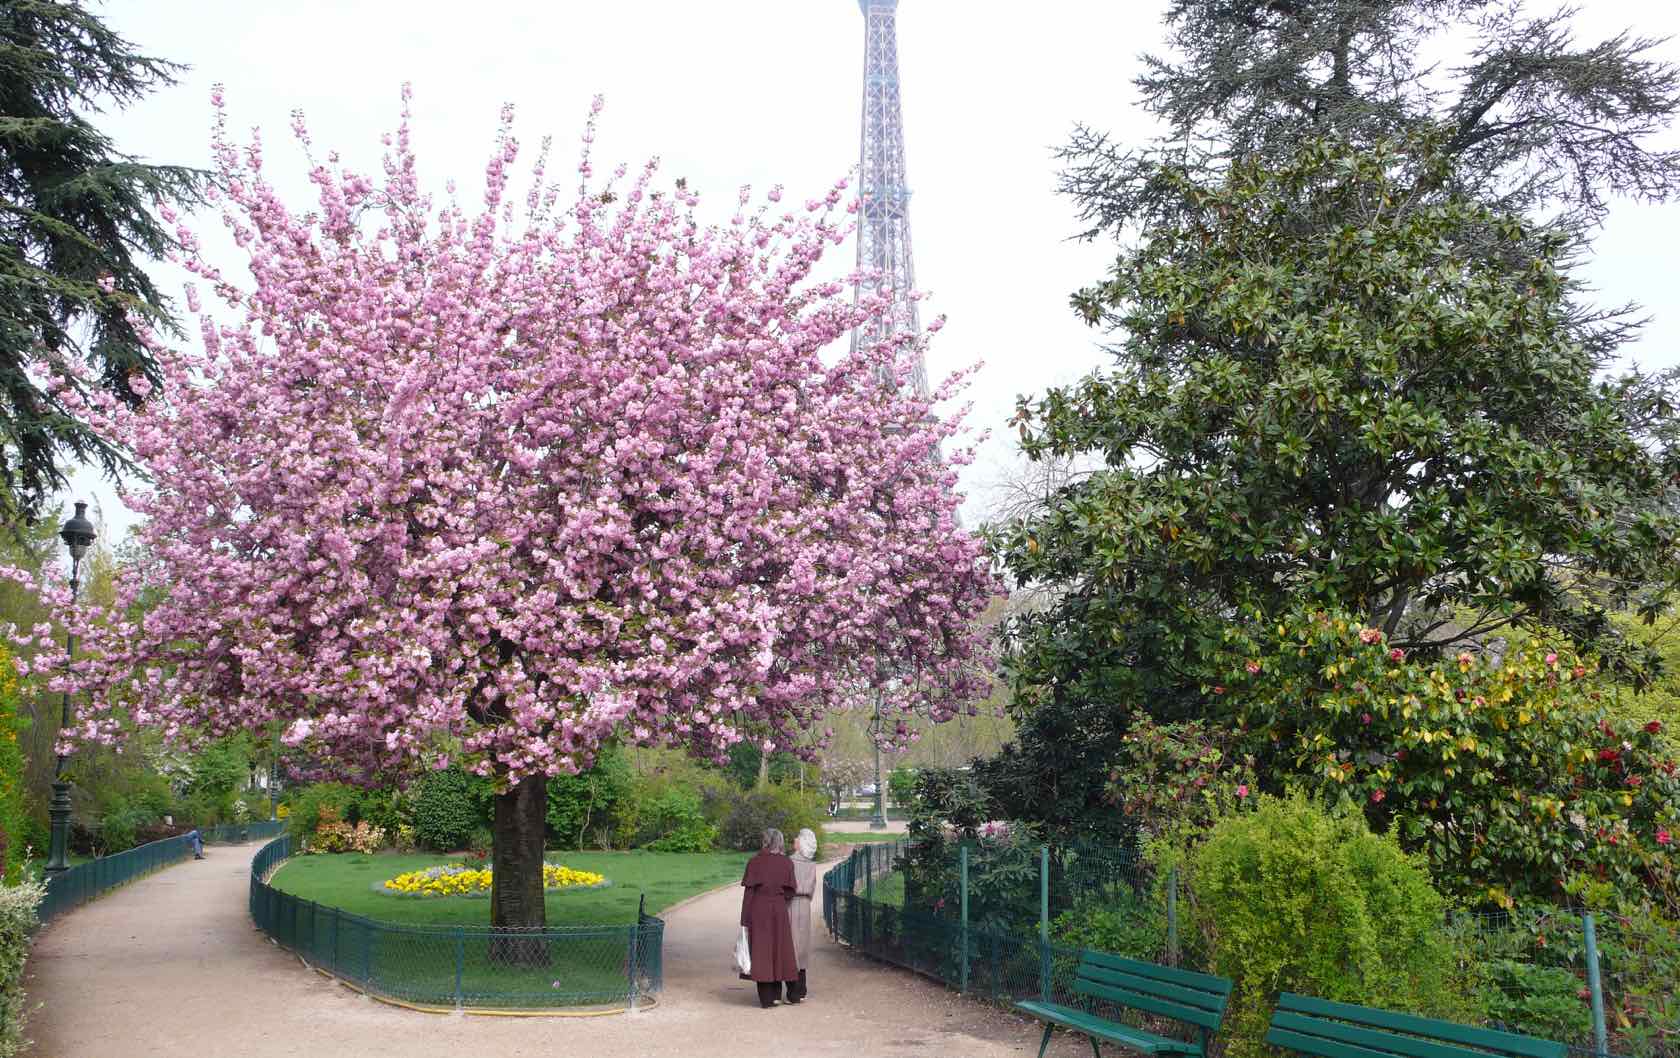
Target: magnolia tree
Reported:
point(496, 486)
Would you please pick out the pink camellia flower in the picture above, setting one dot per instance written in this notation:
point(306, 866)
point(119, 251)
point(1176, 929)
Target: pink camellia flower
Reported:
point(1664, 837)
point(1370, 635)
point(1252, 667)
point(1551, 661)
point(1377, 796)
point(1397, 654)
point(1242, 790)
point(1365, 718)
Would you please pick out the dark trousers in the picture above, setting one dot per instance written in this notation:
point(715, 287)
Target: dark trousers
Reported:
point(797, 990)
point(769, 992)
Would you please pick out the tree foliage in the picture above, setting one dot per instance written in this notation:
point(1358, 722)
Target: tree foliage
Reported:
point(75, 234)
point(498, 486)
point(1321, 397)
point(1512, 774)
point(1531, 117)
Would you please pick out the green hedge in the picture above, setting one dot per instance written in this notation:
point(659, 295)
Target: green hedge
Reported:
point(1291, 897)
point(17, 921)
point(13, 826)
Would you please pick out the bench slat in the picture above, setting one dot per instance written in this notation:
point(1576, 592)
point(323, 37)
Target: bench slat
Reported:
point(1092, 1024)
point(1488, 1039)
point(1375, 1039)
point(1207, 1019)
point(1318, 1045)
point(1194, 997)
point(1188, 978)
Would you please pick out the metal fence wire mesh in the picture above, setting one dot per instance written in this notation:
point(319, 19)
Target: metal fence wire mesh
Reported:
point(86, 881)
point(1529, 973)
point(463, 967)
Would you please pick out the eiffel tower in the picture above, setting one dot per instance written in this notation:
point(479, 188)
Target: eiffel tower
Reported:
point(883, 244)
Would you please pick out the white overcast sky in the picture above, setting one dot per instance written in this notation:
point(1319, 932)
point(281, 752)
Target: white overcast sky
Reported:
point(763, 92)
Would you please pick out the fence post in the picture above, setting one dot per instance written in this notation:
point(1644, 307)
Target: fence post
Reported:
point(635, 932)
point(1172, 917)
point(367, 953)
point(1595, 985)
point(1044, 922)
point(962, 856)
point(997, 983)
point(460, 964)
point(334, 964)
point(868, 896)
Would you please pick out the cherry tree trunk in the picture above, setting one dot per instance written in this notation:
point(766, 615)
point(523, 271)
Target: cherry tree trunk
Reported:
point(516, 884)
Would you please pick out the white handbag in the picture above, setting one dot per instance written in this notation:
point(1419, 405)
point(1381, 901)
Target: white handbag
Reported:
point(743, 953)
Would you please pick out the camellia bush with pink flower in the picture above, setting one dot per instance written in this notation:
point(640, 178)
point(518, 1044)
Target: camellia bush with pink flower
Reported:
point(1508, 770)
point(496, 483)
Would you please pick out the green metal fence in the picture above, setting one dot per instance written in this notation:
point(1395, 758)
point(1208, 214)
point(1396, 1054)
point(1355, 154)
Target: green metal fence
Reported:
point(978, 917)
point(86, 881)
point(463, 967)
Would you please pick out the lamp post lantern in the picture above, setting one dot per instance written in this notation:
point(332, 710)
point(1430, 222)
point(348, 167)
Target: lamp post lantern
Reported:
point(78, 536)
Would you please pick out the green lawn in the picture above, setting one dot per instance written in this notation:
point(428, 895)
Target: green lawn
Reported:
point(859, 837)
point(350, 882)
point(889, 889)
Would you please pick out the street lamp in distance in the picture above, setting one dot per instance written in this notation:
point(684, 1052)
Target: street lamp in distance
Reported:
point(78, 535)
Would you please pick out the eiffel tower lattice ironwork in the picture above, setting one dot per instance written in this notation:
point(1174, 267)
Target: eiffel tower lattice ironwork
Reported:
point(883, 246)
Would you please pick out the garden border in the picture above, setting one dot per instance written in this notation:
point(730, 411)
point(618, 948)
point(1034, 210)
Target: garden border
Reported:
point(413, 967)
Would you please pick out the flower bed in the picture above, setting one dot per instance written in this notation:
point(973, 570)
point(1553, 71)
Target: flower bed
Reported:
point(459, 879)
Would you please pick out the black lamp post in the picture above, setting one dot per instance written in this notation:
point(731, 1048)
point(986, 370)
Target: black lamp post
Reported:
point(78, 535)
point(274, 778)
point(879, 822)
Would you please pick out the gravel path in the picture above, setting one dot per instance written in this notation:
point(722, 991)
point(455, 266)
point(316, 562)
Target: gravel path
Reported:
point(171, 965)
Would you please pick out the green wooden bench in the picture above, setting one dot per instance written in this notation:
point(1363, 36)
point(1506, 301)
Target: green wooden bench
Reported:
point(1342, 1030)
point(1180, 995)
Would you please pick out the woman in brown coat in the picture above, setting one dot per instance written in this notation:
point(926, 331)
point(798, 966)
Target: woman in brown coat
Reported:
point(768, 886)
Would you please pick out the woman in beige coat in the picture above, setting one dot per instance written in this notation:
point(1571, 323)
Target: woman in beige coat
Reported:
point(799, 908)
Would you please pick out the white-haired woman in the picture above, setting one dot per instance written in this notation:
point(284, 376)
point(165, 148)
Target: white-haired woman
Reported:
point(799, 908)
point(768, 886)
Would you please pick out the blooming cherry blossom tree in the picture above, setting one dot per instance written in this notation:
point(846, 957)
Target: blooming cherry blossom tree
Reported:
point(496, 485)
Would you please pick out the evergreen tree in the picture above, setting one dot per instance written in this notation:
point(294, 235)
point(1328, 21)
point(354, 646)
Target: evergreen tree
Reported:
point(75, 230)
point(1532, 119)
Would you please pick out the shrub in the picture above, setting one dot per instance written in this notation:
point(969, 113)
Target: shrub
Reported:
point(673, 821)
point(743, 815)
point(17, 922)
point(1289, 897)
point(1538, 1000)
point(123, 827)
point(1510, 773)
point(14, 839)
point(448, 807)
point(317, 803)
point(384, 808)
point(582, 807)
point(1136, 928)
point(901, 787)
point(335, 835)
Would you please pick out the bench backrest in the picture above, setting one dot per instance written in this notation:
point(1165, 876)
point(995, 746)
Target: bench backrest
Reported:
point(1342, 1030)
point(1182, 995)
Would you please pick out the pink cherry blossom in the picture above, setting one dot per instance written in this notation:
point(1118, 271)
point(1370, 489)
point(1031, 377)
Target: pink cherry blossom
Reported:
point(496, 486)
